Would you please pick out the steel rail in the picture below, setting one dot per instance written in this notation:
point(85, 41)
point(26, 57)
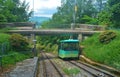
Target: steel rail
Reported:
point(56, 68)
point(91, 70)
point(98, 69)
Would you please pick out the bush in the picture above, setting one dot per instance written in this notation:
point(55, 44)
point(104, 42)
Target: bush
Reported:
point(18, 42)
point(89, 20)
point(12, 59)
point(4, 37)
point(107, 36)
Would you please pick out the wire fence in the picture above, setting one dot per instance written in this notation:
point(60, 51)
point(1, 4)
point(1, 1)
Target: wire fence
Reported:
point(4, 48)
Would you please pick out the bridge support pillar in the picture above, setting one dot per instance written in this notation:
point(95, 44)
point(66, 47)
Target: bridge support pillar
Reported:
point(81, 37)
point(34, 42)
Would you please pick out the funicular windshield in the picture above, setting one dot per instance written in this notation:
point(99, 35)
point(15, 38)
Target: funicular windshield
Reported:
point(70, 46)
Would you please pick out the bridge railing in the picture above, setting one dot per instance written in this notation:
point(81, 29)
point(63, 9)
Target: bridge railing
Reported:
point(90, 27)
point(18, 24)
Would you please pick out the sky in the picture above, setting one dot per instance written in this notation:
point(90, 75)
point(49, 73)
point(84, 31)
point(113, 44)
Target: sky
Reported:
point(44, 8)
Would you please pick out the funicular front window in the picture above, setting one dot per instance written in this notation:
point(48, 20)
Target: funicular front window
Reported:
point(70, 46)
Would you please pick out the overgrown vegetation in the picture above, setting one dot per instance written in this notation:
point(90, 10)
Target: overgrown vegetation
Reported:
point(108, 54)
point(71, 71)
point(13, 57)
point(10, 55)
point(18, 42)
point(49, 43)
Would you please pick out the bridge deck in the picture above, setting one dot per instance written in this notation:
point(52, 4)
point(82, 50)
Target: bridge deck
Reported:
point(53, 32)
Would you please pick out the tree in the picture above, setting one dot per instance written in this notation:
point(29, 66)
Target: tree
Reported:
point(67, 11)
point(100, 5)
point(115, 17)
point(113, 2)
point(114, 10)
point(14, 10)
point(104, 18)
point(22, 12)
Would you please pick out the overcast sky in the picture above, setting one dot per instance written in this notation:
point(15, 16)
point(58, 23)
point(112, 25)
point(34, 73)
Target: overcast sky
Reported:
point(44, 7)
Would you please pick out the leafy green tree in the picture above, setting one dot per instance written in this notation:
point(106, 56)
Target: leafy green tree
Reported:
point(115, 17)
point(14, 10)
point(2, 18)
point(22, 12)
point(110, 14)
point(70, 9)
point(104, 18)
point(100, 5)
point(114, 10)
point(113, 2)
point(89, 20)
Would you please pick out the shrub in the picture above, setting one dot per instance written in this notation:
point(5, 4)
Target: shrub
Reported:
point(4, 37)
point(107, 36)
point(18, 42)
point(12, 59)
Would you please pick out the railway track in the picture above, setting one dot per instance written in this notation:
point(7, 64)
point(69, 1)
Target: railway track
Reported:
point(95, 72)
point(47, 68)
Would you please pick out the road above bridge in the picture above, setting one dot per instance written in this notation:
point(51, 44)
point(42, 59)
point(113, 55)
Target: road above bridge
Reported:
point(53, 32)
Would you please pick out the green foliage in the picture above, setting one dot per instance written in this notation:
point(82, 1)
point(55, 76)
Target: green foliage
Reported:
point(107, 36)
point(115, 17)
point(4, 37)
point(14, 11)
point(104, 18)
point(71, 71)
point(87, 11)
point(104, 53)
point(13, 57)
point(2, 18)
point(49, 43)
point(18, 42)
point(88, 20)
point(113, 2)
point(110, 14)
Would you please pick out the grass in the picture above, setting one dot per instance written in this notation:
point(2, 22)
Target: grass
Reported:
point(71, 71)
point(108, 54)
point(12, 59)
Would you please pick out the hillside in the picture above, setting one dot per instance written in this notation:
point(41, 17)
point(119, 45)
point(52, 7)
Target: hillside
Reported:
point(108, 54)
point(38, 20)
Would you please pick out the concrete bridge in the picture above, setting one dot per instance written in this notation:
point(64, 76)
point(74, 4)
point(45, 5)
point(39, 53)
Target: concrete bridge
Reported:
point(54, 32)
point(27, 28)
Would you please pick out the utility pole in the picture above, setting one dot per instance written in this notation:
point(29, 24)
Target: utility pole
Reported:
point(74, 17)
point(34, 37)
point(33, 8)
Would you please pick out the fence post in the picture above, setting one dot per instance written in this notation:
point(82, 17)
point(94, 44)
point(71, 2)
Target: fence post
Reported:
point(2, 46)
point(1, 63)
